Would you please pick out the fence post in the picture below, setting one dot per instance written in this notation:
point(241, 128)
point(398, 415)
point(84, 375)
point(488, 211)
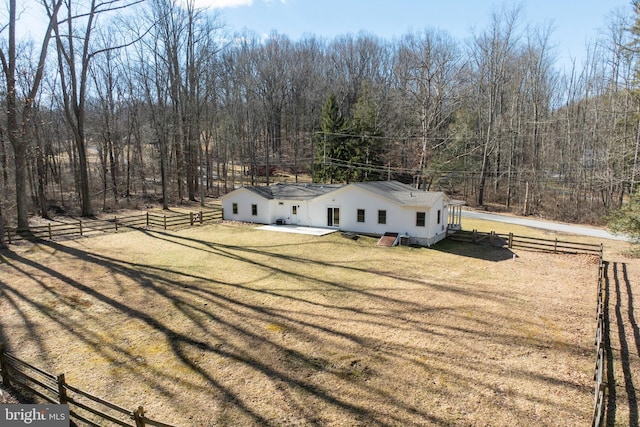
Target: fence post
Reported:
point(165, 221)
point(138, 416)
point(555, 246)
point(115, 219)
point(510, 240)
point(147, 219)
point(4, 369)
point(474, 237)
point(191, 219)
point(201, 218)
point(49, 228)
point(62, 391)
point(80, 227)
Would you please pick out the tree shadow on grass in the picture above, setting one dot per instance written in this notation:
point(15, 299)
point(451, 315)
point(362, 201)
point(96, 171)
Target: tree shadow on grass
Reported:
point(628, 351)
point(479, 251)
point(158, 280)
point(210, 310)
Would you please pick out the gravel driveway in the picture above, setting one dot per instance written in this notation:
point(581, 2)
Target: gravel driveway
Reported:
point(545, 225)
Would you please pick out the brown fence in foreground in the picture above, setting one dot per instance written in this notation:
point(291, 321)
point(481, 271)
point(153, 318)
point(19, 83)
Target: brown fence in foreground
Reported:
point(598, 376)
point(511, 240)
point(91, 227)
point(84, 407)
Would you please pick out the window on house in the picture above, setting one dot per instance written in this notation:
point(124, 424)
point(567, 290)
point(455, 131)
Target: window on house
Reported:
point(438, 216)
point(294, 210)
point(360, 215)
point(420, 219)
point(235, 209)
point(254, 210)
point(382, 217)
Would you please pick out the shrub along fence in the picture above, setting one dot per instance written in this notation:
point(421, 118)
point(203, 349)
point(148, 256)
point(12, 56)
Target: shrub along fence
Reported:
point(85, 407)
point(511, 240)
point(89, 227)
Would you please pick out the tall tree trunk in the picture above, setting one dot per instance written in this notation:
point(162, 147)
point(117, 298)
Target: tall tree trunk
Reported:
point(20, 156)
point(83, 168)
point(41, 172)
point(164, 174)
point(17, 129)
point(74, 86)
point(484, 169)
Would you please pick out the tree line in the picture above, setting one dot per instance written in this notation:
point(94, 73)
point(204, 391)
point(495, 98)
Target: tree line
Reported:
point(130, 100)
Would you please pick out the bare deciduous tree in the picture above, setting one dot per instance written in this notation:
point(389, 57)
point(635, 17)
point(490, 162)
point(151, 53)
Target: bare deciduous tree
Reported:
point(20, 106)
point(74, 63)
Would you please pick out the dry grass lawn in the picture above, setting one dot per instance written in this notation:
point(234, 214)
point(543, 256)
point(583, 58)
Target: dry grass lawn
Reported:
point(229, 325)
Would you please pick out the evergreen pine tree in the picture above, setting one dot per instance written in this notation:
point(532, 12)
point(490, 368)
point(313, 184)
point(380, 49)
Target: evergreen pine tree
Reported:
point(349, 150)
point(330, 143)
point(366, 144)
point(626, 220)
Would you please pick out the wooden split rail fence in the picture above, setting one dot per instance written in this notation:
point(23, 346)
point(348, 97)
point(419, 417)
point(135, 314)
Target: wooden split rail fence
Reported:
point(599, 375)
point(88, 227)
point(565, 247)
point(84, 407)
point(511, 240)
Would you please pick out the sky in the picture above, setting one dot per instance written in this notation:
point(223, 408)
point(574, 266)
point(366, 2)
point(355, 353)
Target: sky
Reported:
point(575, 22)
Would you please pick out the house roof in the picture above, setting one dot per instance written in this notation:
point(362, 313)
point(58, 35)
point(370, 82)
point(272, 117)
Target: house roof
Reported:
point(402, 194)
point(293, 191)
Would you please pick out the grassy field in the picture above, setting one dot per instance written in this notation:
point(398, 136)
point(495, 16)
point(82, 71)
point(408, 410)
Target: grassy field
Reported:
point(229, 325)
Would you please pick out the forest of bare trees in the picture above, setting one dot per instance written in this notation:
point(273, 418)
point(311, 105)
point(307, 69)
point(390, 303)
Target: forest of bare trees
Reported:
point(127, 102)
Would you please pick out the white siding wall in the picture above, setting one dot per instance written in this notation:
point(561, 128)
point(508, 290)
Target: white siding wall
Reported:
point(436, 227)
point(245, 198)
point(400, 219)
point(284, 212)
point(269, 211)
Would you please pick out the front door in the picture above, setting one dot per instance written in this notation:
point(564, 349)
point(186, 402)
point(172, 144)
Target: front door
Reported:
point(333, 217)
point(294, 214)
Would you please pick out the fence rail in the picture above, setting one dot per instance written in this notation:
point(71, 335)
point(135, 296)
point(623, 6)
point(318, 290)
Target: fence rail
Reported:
point(83, 406)
point(599, 374)
point(561, 246)
point(85, 228)
point(511, 240)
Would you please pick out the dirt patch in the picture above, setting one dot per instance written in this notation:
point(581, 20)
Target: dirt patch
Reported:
point(215, 326)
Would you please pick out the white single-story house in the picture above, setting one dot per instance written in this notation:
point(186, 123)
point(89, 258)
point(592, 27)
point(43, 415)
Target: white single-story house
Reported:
point(418, 217)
